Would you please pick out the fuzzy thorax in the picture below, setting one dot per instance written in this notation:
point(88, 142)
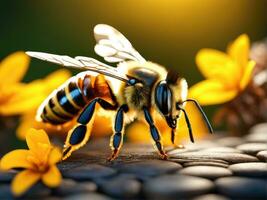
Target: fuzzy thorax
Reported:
point(137, 96)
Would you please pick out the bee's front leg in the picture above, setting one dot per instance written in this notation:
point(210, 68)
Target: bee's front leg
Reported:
point(116, 139)
point(155, 134)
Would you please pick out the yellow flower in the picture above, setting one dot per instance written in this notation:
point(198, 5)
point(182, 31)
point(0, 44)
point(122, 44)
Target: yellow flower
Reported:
point(39, 163)
point(227, 75)
point(32, 97)
point(17, 98)
point(12, 70)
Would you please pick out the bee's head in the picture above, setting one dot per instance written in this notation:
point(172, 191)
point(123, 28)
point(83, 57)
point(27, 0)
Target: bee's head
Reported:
point(168, 94)
point(170, 97)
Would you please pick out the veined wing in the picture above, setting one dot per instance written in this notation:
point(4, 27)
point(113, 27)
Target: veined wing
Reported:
point(113, 46)
point(80, 62)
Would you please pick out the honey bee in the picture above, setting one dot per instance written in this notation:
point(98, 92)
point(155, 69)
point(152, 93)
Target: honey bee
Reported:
point(134, 90)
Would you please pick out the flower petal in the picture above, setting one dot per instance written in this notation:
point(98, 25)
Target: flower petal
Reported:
point(28, 98)
point(215, 64)
point(14, 67)
point(35, 137)
point(211, 92)
point(239, 50)
point(16, 159)
point(56, 78)
point(138, 132)
point(55, 156)
point(26, 122)
point(247, 75)
point(31, 95)
point(23, 181)
point(52, 178)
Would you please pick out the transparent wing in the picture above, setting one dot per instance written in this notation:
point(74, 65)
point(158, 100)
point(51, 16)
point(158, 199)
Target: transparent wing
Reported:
point(80, 62)
point(114, 46)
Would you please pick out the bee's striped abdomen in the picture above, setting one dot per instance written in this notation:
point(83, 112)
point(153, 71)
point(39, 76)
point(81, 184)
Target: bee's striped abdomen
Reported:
point(67, 101)
point(64, 105)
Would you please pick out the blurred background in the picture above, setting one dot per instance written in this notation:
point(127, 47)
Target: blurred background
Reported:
point(168, 32)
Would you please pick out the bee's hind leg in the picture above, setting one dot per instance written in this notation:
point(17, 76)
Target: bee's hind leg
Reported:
point(155, 134)
point(116, 139)
point(79, 135)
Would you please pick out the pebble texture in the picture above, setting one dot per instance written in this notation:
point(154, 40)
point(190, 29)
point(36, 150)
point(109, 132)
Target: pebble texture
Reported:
point(209, 172)
point(219, 168)
point(176, 186)
point(250, 169)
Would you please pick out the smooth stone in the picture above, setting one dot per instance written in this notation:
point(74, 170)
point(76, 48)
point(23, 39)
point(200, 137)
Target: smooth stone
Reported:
point(150, 167)
point(209, 172)
point(259, 128)
point(123, 186)
point(262, 155)
point(176, 186)
point(37, 191)
point(5, 192)
point(230, 141)
point(242, 187)
point(257, 133)
point(211, 197)
point(221, 150)
point(229, 157)
point(177, 151)
point(7, 176)
point(89, 172)
point(256, 169)
point(69, 186)
point(199, 145)
point(88, 196)
point(252, 148)
point(206, 163)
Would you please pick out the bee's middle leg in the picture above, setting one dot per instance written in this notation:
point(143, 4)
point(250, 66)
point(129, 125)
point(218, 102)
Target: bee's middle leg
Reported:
point(116, 139)
point(155, 134)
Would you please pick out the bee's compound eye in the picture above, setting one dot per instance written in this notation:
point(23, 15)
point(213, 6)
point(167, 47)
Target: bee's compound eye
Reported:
point(163, 98)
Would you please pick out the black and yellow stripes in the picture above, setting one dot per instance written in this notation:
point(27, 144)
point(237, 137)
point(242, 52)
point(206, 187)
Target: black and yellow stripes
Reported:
point(65, 105)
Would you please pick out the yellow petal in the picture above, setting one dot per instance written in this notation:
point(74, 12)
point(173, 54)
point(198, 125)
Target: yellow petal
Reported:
point(138, 132)
point(16, 159)
point(247, 75)
point(26, 122)
point(239, 50)
point(28, 98)
point(23, 181)
point(52, 178)
point(103, 117)
point(56, 78)
point(13, 68)
point(31, 95)
point(215, 64)
point(55, 156)
point(36, 137)
point(211, 92)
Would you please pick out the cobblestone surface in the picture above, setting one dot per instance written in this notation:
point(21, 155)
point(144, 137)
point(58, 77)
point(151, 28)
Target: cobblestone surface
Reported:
point(218, 168)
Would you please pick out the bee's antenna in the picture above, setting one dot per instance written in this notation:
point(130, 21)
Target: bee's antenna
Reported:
point(202, 113)
point(188, 124)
